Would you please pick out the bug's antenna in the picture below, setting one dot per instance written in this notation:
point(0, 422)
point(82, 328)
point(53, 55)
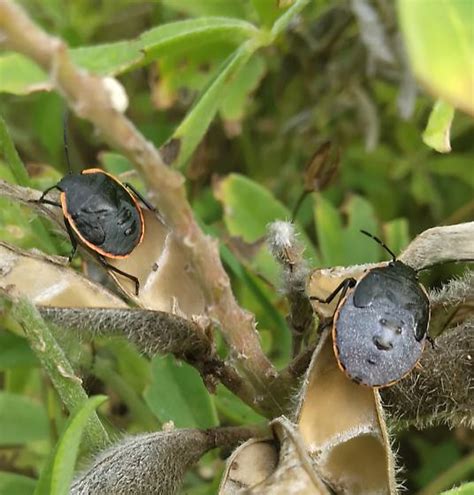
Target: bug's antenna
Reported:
point(66, 147)
point(381, 243)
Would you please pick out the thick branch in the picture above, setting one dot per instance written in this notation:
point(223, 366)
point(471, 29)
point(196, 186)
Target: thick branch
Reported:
point(89, 98)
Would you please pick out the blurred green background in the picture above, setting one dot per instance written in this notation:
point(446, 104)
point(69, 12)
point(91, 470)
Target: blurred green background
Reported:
point(338, 73)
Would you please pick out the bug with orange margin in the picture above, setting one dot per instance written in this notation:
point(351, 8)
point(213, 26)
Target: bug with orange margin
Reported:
point(380, 324)
point(101, 213)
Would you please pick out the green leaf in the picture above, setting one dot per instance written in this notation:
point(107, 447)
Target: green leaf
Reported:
point(22, 420)
point(240, 196)
point(233, 409)
point(246, 81)
point(15, 484)
point(397, 234)
point(464, 489)
point(444, 64)
point(267, 10)
point(437, 132)
point(115, 163)
point(171, 38)
point(359, 248)
point(229, 8)
point(248, 209)
point(57, 475)
point(21, 76)
point(109, 58)
point(176, 393)
point(24, 77)
point(9, 153)
point(457, 165)
point(15, 352)
point(346, 245)
point(329, 232)
point(192, 129)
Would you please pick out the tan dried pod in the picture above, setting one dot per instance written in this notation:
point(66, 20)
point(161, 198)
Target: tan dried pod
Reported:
point(162, 270)
point(260, 467)
point(343, 428)
point(249, 465)
point(48, 281)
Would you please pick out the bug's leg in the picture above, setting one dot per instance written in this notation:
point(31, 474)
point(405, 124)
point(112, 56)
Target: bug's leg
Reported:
point(72, 238)
point(46, 202)
point(431, 341)
point(140, 196)
point(343, 287)
point(42, 200)
point(112, 268)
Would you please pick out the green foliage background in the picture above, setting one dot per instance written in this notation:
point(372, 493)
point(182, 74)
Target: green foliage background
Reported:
point(271, 94)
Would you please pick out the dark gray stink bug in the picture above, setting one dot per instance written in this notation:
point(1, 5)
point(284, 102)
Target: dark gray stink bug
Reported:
point(380, 324)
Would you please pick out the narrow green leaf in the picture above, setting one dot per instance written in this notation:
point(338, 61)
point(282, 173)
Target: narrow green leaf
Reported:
point(191, 130)
point(174, 37)
point(237, 94)
point(177, 394)
point(437, 132)
point(444, 64)
point(10, 155)
point(282, 22)
point(15, 484)
point(22, 420)
point(57, 475)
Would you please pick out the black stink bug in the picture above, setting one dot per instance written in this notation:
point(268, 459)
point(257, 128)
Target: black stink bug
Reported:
point(100, 212)
point(380, 324)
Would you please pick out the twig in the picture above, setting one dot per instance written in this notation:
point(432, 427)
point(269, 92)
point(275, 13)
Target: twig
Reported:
point(288, 252)
point(88, 97)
